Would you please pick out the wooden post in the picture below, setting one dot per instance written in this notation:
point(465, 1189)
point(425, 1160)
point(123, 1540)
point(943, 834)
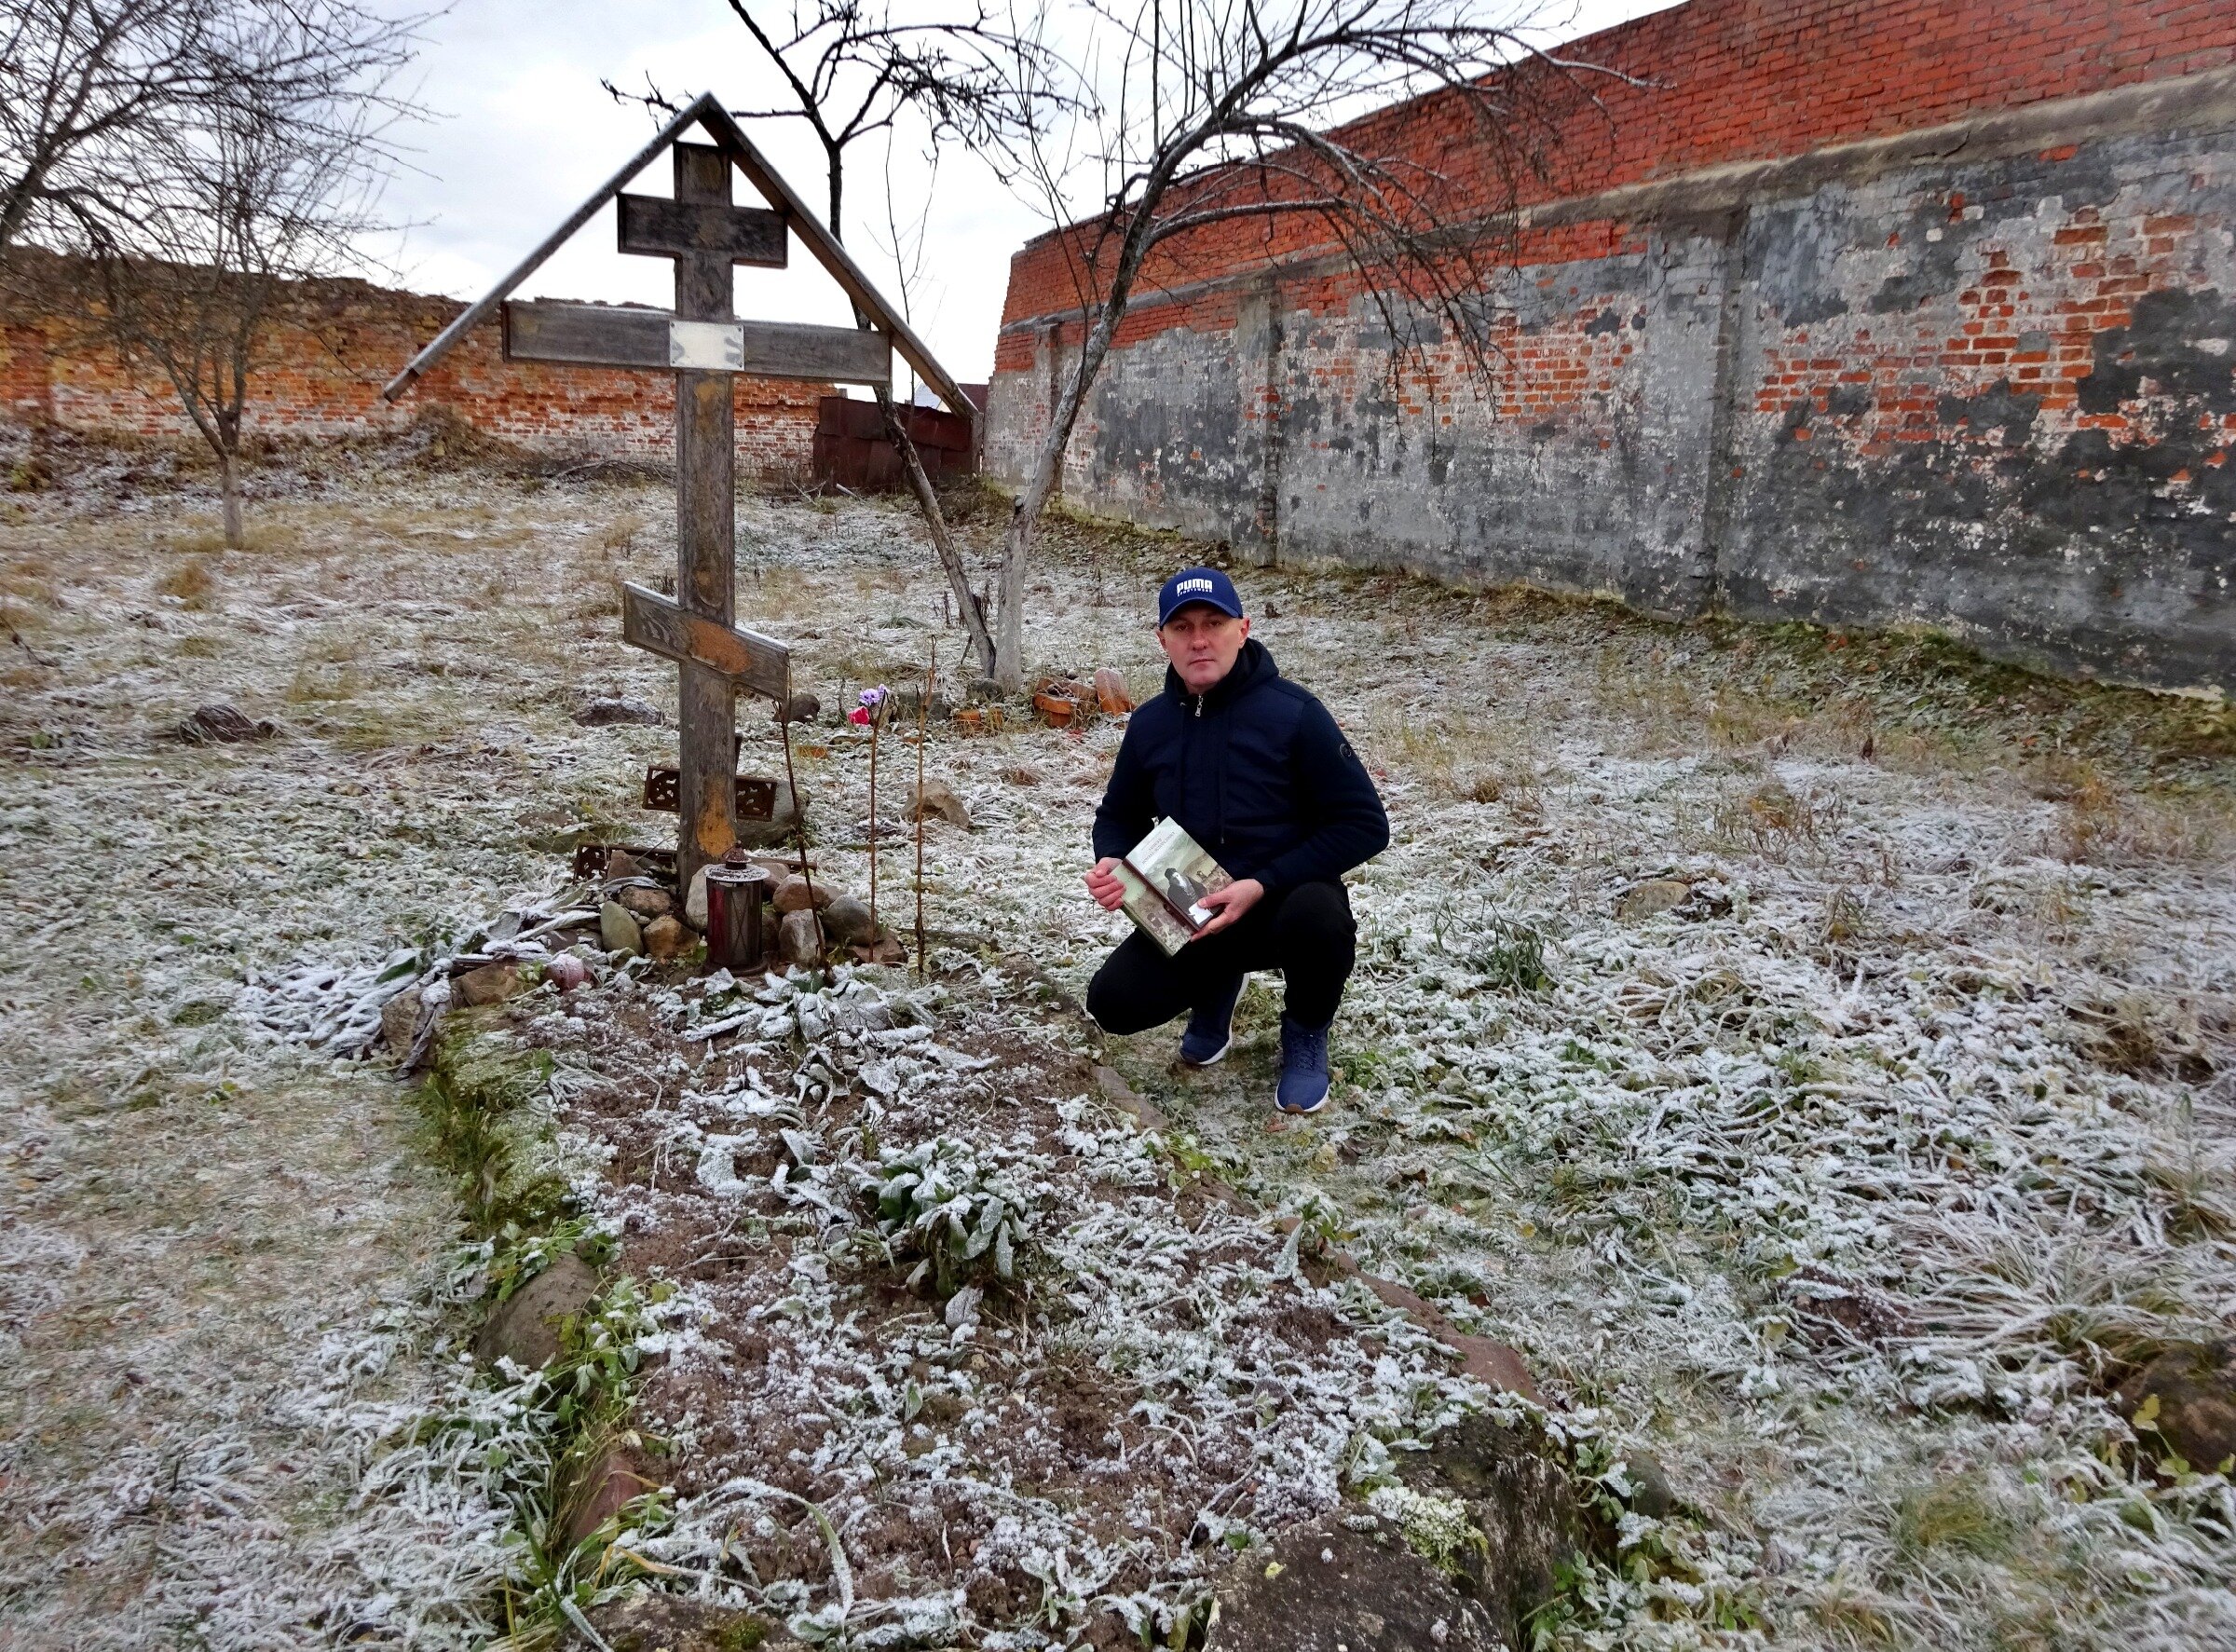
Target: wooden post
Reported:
point(705, 533)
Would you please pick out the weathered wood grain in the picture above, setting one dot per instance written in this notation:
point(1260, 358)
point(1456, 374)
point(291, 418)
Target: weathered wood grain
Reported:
point(652, 227)
point(586, 335)
point(756, 664)
point(836, 355)
point(706, 544)
point(594, 335)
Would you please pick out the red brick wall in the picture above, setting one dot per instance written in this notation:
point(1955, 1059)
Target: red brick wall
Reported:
point(1755, 349)
point(342, 340)
point(1723, 81)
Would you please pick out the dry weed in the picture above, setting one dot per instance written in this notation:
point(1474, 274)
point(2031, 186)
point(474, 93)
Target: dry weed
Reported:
point(313, 684)
point(1774, 823)
point(190, 581)
point(1482, 759)
point(2101, 824)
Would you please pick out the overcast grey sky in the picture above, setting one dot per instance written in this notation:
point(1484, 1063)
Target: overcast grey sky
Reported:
point(521, 132)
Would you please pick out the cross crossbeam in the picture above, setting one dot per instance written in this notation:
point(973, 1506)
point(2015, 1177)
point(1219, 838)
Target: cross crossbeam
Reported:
point(600, 335)
point(746, 235)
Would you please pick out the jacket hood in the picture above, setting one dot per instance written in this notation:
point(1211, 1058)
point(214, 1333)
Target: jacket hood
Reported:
point(1252, 666)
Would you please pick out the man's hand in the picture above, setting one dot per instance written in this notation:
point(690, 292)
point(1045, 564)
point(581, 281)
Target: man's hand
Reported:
point(1102, 884)
point(1227, 905)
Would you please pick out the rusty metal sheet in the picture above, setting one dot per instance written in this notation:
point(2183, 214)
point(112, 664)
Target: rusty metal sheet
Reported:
point(664, 791)
point(591, 858)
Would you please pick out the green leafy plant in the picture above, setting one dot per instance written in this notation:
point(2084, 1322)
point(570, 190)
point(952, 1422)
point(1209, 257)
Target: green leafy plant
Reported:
point(958, 1212)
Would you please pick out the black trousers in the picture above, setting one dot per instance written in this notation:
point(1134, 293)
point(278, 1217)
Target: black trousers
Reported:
point(1306, 933)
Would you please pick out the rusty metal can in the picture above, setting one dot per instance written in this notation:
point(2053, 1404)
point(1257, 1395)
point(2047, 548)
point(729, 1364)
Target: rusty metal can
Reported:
point(736, 937)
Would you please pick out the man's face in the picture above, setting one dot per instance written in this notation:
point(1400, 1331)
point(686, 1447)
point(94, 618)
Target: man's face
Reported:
point(1202, 643)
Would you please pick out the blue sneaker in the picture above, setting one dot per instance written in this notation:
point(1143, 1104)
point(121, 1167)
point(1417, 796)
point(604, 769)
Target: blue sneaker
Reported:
point(1210, 1032)
point(1303, 1086)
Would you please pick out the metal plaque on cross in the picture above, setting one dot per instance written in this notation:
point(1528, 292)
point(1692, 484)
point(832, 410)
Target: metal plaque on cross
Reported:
point(705, 347)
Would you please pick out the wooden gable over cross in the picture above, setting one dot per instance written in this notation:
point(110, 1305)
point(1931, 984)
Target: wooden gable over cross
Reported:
point(704, 346)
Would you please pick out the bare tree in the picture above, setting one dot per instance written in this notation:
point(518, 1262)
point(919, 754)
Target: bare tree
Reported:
point(1393, 136)
point(96, 97)
point(852, 71)
point(270, 186)
point(86, 87)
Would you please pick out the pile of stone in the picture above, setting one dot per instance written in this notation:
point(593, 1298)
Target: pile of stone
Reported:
point(811, 919)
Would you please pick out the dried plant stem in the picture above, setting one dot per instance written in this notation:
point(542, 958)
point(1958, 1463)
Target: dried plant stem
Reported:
point(799, 815)
point(877, 722)
point(924, 707)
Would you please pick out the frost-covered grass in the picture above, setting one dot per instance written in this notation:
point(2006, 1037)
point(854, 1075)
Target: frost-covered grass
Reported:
point(1846, 1186)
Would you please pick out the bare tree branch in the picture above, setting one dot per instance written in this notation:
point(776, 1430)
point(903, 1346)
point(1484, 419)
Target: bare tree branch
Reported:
point(1394, 137)
point(265, 185)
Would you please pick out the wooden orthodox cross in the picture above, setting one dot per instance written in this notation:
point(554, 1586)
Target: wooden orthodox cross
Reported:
point(706, 347)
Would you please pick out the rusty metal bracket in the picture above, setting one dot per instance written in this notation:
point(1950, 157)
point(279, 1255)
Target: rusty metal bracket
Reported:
point(591, 858)
point(664, 791)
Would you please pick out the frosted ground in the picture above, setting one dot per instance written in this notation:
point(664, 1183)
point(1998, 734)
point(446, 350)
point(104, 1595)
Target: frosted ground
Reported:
point(1847, 1184)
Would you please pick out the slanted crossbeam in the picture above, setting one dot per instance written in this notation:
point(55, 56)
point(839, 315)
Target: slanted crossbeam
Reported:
point(753, 663)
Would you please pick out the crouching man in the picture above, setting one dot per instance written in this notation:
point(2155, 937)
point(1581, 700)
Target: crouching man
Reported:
point(1254, 770)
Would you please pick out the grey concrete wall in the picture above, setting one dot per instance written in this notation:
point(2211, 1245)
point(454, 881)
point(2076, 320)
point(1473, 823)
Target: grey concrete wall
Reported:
point(1995, 396)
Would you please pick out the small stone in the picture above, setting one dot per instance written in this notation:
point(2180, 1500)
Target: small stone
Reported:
point(223, 725)
point(646, 902)
point(983, 689)
point(1655, 895)
point(799, 940)
point(795, 893)
point(618, 930)
point(400, 1020)
point(1650, 1491)
point(620, 862)
point(938, 798)
point(493, 983)
point(848, 920)
point(566, 971)
point(671, 1623)
point(600, 713)
point(886, 948)
point(2183, 1404)
point(665, 937)
point(525, 1327)
point(800, 708)
point(612, 1482)
point(694, 903)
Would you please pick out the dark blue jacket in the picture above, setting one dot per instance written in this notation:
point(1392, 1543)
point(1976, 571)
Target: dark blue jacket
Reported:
point(1255, 771)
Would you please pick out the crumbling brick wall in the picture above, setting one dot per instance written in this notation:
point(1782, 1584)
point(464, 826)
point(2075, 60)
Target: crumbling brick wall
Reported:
point(1864, 314)
point(341, 341)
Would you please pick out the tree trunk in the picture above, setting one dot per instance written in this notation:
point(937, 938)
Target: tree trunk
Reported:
point(1048, 473)
point(950, 554)
point(228, 487)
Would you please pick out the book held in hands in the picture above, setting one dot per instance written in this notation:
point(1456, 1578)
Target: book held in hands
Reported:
point(1165, 877)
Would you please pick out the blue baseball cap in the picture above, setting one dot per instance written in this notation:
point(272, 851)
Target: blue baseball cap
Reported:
point(1197, 584)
